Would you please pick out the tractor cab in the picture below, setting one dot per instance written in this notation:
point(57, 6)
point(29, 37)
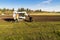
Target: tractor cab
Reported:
point(19, 15)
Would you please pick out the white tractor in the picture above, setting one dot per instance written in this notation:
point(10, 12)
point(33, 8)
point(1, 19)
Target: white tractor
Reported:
point(19, 16)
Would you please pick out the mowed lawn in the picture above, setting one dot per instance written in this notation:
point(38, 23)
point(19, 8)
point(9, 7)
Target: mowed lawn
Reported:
point(29, 30)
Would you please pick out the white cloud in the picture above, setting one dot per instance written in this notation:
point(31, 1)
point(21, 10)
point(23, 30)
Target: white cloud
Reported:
point(47, 1)
point(42, 5)
point(44, 2)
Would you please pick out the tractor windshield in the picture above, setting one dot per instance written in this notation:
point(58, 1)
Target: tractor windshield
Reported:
point(22, 14)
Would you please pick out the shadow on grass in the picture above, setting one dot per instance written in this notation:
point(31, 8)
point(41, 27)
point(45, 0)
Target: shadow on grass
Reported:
point(9, 19)
point(12, 20)
point(28, 20)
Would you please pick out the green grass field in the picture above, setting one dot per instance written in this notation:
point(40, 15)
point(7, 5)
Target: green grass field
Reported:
point(29, 30)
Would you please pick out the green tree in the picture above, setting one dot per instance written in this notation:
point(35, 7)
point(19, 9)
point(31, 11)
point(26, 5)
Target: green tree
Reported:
point(22, 9)
point(0, 9)
point(40, 10)
point(4, 9)
point(19, 10)
point(13, 9)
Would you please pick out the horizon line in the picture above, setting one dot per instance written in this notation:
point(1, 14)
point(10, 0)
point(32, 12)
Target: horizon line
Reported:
point(34, 9)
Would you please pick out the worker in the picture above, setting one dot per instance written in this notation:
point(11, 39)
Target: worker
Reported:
point(30, 18)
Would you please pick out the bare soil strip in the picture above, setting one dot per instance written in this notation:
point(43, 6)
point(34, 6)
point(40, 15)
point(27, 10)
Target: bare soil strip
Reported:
point(46, 18)
point(37, 18)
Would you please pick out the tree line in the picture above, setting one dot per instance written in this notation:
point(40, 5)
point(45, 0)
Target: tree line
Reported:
point(10, 11)
point(20, 9)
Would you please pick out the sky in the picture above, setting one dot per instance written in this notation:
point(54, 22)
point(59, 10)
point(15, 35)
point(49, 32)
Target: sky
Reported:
point(46, 5)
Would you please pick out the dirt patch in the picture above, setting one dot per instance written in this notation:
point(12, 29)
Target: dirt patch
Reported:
point(45, 18)
point(37, 18)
